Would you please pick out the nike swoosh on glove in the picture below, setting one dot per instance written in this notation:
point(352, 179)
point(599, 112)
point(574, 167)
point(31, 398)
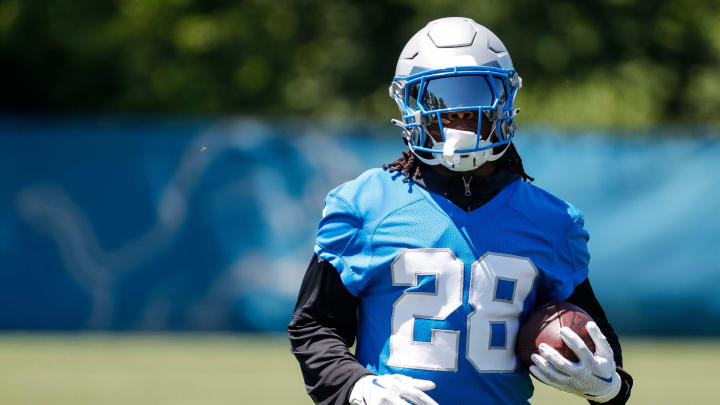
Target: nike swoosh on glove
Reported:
point(391, 389)
point(593, 377)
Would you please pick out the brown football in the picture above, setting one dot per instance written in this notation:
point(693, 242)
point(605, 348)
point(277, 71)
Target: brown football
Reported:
point(543, 326)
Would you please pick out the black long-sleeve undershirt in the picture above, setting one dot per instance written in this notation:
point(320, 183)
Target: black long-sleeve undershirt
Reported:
point(324, 326)
point(322, 329)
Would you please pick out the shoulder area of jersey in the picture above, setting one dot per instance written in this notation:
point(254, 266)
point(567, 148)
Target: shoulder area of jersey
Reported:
point(375, 188)
point(544, 208)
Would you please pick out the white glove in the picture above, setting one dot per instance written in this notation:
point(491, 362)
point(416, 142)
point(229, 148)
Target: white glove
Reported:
point(592, 377)
point(391, 389)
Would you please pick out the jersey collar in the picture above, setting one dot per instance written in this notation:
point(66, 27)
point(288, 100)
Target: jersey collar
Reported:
point(481, 188)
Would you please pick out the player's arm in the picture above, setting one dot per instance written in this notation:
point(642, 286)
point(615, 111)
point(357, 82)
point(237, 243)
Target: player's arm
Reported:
point(596, 375)
point(584, 297)
point(322, 329)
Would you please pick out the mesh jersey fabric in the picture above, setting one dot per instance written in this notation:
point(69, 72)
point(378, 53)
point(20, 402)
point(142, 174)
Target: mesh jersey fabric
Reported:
point(442, 291)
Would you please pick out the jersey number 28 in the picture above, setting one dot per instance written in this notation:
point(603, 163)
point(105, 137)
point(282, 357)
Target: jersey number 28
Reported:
point(499, 284)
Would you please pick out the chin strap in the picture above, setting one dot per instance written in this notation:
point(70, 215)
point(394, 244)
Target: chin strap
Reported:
point(406, 138)
point(432, 162)
point(449, 158)
point(510, 132)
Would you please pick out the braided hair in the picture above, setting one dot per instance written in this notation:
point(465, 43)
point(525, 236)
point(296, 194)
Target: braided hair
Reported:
point(406, 164)
point(409, 165)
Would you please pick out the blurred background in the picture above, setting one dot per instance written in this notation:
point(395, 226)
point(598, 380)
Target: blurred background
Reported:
point(163, 165)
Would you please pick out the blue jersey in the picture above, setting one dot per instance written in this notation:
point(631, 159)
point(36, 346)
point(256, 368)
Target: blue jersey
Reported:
point(442, 291)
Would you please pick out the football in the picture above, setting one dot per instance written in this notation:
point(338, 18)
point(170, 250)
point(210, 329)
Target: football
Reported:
point(543, 326)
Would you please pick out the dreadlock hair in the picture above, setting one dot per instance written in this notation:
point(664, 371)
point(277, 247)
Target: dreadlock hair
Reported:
point(409, 165)
point(512, 161)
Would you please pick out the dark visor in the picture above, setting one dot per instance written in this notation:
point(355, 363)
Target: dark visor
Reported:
point(470, 91)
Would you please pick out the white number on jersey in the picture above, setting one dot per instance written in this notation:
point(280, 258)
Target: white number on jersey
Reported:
point(499, 284)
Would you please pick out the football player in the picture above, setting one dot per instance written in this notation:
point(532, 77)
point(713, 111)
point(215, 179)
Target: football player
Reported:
point(431, 262)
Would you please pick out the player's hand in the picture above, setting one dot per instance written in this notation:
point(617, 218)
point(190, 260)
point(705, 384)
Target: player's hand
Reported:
point(391, 389)
point(592, 377)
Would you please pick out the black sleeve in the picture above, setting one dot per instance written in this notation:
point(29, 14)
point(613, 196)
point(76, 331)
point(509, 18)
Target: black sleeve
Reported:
point(584, 297)
point(323, 327)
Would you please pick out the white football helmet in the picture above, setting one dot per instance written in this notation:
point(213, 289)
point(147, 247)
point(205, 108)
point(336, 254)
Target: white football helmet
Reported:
point(455, 64)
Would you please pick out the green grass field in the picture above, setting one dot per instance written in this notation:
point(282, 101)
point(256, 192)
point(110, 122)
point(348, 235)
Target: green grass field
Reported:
point(208, 370)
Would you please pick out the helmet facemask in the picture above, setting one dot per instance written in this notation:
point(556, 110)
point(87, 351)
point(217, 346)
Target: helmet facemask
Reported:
point(427, 97)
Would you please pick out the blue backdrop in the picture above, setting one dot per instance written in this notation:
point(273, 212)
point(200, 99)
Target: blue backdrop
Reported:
point(208, 225)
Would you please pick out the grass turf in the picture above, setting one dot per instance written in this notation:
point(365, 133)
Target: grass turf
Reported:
point(226, 369)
